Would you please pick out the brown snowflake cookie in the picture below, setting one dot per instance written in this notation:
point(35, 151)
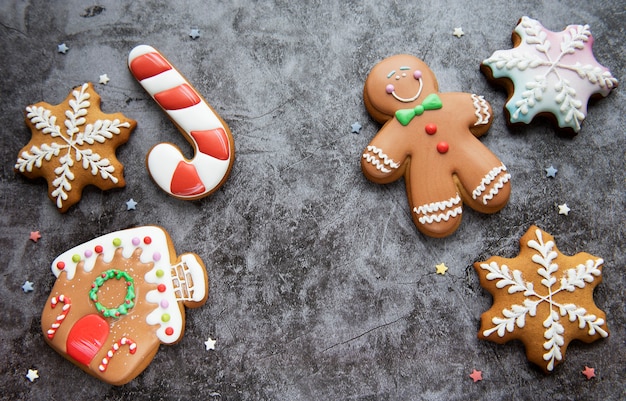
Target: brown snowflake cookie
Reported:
point(430, 139)
point(118, 297)
point(73, 145)
point(542, 298)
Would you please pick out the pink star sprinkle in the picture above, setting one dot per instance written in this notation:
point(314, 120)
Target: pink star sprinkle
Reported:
point(589, 372)
point(476, 375)
point(34, 236)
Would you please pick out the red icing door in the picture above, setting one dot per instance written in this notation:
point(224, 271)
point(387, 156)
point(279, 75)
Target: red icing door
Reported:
point(86, 338)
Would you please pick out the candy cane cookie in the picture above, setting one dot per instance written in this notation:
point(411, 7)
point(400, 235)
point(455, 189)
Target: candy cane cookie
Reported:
point(202, 127)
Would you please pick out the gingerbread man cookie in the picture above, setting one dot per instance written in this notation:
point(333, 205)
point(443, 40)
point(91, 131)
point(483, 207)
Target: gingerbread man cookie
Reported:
point(73, 145)
point(118, 297)
point(549, 74)
point(430, 138)
point(542, 298)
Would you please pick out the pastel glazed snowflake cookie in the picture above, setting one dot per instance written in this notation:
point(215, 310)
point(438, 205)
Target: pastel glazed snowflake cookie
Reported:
point(73, 145)
point(542, 298)
point(549, 74)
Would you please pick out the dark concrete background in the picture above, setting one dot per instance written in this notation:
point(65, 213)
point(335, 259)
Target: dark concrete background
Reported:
point(321, 287)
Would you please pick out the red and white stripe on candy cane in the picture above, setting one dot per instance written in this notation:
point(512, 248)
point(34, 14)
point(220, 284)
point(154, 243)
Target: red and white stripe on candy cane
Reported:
point(132, 348)
point(67, 304)
point(199, 123)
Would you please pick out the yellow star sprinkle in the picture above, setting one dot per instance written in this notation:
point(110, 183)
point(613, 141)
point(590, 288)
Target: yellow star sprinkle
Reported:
point(441, 268)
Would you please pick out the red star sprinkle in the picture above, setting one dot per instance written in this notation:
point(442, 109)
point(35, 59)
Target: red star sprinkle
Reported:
point(589, 372)
point(34, 236)
point(476, 375)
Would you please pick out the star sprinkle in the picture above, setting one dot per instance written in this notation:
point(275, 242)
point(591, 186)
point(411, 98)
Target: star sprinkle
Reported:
point(458, 32)
point(552, 72)
point(551, 172)
point(32, 375)
point(28, 286)
point(476, 375)
point(542, 298)
point(194, 34)
point(589, 372)
point(104, 79)
point(564, 209)
point(210, 344)
point(34, 236)
point(62, 48)
point(356, 128)
point(73, 145)
point(131, 204)
point(441, 268)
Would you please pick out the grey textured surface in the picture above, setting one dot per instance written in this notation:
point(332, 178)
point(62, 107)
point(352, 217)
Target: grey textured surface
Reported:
point(321, 287)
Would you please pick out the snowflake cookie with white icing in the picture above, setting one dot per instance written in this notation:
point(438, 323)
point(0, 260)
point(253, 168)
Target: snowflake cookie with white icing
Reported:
point(118, 297)
point(549, 74)
point(431, 139)
point(73, 145)
point(542, 298)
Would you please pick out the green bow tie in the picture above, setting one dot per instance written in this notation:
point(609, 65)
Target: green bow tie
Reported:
point(431, 102)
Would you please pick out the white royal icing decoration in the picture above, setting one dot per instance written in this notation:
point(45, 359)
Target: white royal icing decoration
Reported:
point(380, 160)
point(482, 110)
point(449, 208)
point(504, 177)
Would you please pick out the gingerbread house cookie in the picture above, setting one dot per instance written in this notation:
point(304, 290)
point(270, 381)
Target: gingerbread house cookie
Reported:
point(118, 297)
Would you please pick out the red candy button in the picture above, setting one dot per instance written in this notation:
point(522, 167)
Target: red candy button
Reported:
point(431, 129)
point(443, 147)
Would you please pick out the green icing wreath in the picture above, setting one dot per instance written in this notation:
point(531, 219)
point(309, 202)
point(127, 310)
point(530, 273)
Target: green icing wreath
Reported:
point(125, 306)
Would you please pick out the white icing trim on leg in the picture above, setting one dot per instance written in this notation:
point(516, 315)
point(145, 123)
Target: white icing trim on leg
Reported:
point(449, 209)
point(496, 172)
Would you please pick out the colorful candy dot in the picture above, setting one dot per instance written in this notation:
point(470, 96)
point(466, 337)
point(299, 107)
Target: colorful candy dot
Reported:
point(164, 303)
point(160, 273)
point(147, 240)
point(165, 317)
point(169, 331)
point(443, 147)
point(98, 249)
point(161, 287)
point(117, 242)
point(431, 129)
point(61, 265)
point(88, 253)
point(417, 74)
point(156, 256)
point(76, 258)
point(136, 241)
point(390, 88)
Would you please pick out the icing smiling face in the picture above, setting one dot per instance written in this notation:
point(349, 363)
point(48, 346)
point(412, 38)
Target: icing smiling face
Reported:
point(391, 89)
point(429, 138)
point(403, 79)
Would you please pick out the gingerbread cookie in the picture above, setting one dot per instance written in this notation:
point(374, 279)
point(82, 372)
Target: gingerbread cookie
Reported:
point(430, 138)
point(542, 298)
point(550, 74)
point(73, 145)
point(118, 297)
point(202, 127)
